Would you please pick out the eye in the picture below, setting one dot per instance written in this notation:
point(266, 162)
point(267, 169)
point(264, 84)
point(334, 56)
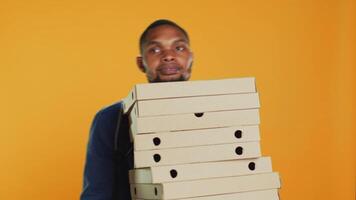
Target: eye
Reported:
point(155, 50)
point(180, 48)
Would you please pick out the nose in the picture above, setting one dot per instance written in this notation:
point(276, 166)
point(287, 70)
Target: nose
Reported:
point(168, 56)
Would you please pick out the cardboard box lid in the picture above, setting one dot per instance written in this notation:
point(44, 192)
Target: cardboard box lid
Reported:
point(197, 137)
point(198, 104)
point(205, 187)
point(196, 154)
point(271, 194)
point(188, 89)
point(195, 171)
point(143, 125)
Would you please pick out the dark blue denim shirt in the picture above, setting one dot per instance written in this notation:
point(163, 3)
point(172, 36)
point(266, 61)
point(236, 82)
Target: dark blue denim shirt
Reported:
point(109, 156)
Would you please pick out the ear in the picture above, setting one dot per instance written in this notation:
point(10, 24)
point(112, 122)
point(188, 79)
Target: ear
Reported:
point(192, 57)
point(140, 64)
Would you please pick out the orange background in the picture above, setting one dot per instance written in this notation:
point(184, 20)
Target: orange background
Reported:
point(61, 61)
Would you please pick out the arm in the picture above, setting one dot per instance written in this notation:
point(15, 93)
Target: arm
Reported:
point(99, 168)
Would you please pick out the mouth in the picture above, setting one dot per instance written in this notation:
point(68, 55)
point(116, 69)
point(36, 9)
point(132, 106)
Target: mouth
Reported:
point(168, 69)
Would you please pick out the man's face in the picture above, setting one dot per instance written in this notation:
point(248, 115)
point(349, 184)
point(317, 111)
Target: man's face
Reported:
point(166, 55)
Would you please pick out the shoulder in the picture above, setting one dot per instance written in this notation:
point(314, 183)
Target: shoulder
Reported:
point(108, 114)
point(103, 127)
point(106, 118)
point(109, 110)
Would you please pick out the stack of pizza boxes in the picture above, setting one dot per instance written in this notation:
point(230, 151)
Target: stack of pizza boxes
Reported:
point(198, 140)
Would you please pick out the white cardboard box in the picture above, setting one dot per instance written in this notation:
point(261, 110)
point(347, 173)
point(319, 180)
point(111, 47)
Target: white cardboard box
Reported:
point(185, 172)
point(188, 89)
point(206, 187)
point(271, 194)
point(196, 137)
point(196, 154)
point(192, 121)
point(173, 106)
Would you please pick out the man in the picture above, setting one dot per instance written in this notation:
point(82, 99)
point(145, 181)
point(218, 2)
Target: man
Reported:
point(165, 56)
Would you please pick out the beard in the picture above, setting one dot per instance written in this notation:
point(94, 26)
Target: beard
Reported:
point(182, 77)
point(159, 80)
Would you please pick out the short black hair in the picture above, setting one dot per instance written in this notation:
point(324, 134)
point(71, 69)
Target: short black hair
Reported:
point(157, 23)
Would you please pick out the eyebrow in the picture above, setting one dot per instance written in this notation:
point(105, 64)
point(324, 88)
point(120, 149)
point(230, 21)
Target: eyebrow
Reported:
point(182, 40)
point(153, 42)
